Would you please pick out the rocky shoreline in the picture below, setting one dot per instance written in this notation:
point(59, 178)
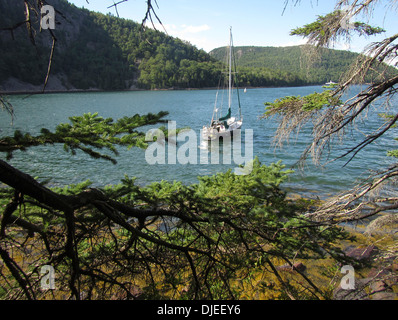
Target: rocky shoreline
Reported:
point(379, 281)
point(56, 83)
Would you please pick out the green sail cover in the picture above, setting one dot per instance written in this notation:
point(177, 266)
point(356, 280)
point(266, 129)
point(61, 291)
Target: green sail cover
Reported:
point(227, 116)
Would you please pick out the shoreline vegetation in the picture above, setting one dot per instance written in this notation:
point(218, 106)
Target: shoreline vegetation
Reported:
point(364, 249)
point(49, 91)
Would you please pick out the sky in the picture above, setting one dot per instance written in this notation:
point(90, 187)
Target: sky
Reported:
point(206, 23)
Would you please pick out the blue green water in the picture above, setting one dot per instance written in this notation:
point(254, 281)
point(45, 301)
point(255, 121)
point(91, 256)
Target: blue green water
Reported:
point(188, 108)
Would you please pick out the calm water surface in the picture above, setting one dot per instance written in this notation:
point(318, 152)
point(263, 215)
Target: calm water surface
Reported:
point(187, 108)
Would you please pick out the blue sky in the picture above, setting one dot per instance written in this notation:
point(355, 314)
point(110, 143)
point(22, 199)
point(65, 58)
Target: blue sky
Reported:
point(205, 23)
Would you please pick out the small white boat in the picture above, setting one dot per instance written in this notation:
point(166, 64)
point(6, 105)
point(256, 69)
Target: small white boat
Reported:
point(222, 126)
point(330, 84)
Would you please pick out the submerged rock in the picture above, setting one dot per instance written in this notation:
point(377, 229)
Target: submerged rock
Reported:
point(298, 266)
point(361, 254)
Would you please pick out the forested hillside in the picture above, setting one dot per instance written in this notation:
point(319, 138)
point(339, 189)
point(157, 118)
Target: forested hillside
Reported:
point(94, 50)
point(292, 64)
point(97, 51)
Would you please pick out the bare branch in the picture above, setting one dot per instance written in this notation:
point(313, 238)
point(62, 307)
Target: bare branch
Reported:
point(116, 4)
point(50, 60)
point(148, 15)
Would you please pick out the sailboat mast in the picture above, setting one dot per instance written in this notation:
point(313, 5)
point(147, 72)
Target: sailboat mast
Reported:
point(230, 70)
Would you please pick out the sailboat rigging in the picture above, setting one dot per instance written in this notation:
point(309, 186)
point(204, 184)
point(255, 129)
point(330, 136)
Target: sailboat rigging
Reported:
point(225, 125)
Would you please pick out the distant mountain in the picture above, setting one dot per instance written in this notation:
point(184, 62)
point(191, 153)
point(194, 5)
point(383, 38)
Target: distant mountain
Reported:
point(296, 62)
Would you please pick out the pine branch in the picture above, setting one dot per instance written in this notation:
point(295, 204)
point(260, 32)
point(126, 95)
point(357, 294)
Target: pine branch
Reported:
point(88, 133)
point(204, 235)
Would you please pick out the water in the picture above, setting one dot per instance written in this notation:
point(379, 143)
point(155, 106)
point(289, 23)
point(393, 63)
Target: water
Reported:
point(188, 108)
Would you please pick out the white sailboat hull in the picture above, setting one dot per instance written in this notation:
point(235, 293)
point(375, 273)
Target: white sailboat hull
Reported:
point(216, 131)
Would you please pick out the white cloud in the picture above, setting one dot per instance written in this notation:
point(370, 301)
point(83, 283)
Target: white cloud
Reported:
point(194, 29)
point(292, 43)
point(190, 33)
point(180, 30)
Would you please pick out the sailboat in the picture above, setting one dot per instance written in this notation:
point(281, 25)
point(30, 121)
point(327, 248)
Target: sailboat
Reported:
point(225, 125)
